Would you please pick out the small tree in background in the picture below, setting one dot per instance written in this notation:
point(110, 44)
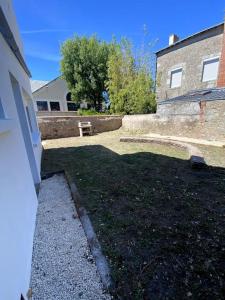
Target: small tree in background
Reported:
point(84, 67)
point(130, 85)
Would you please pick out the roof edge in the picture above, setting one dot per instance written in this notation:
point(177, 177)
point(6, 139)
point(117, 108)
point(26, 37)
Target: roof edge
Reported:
point(8, 36)
point(189, 37)
point(49, 82)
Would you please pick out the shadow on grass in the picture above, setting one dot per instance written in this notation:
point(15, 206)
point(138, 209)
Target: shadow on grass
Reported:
point(160, 223)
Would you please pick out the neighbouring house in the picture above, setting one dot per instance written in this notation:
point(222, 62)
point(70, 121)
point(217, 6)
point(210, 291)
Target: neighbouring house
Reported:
point(193, 63)
point(190, 88)
point(20, 159)
point(54, 96)
point(37, 84)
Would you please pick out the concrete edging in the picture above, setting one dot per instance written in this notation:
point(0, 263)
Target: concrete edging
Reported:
point(196, 157)
point(95, 247)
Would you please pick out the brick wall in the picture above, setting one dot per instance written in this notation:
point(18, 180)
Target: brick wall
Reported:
point(60, 127)
point(221, 75)
point(205, 120)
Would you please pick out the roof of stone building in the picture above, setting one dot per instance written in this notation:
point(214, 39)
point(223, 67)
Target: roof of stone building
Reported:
point(189, 37)
point(200, 95)
point(37, 84)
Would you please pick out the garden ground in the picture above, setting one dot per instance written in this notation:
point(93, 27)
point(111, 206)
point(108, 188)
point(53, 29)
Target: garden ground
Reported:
point(160, 223)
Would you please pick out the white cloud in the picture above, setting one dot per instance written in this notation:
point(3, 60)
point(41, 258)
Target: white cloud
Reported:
point(43, 55)
point(35, 31)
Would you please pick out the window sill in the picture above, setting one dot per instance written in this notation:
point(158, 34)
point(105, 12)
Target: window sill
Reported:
point(5, 125)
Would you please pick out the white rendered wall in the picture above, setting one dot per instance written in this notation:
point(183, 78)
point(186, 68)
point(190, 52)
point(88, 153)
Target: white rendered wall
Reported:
point(18, 200)
point(10, 16)
point(54, 91)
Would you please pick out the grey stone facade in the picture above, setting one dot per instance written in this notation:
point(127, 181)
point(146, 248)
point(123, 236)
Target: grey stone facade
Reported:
point(199, 120)
point(188, 54)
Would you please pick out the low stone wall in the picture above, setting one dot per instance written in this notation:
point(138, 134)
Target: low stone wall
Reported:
point(42, 114)
point(61, 127)
point(205, 120)
point(195, 155)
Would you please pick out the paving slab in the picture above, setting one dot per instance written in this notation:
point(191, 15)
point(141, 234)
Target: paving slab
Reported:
point(62, 265)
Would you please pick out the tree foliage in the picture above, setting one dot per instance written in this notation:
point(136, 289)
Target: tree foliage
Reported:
point(84, 67)
point(129, 83)
point(92, 67)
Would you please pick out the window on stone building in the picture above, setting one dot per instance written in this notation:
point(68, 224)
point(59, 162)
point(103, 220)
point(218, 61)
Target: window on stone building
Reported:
point(210, 69)
point(175, 78)
point(42, 105)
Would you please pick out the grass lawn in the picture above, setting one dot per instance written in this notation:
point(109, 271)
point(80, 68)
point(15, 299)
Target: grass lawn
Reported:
point(161, 224)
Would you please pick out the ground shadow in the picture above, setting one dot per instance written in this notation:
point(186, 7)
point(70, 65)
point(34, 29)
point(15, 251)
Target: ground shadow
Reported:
point(161, 224)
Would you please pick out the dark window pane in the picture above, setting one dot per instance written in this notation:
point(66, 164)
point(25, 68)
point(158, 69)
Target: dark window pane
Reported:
point(54, 106)
point(72, 106)
point(68, 97)
point(42, 105)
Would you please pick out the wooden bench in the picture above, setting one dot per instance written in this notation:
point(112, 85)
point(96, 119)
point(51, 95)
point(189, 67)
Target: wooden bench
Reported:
point(85, 128)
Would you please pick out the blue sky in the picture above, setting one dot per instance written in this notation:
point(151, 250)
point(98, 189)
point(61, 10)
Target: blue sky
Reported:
point(44, 25)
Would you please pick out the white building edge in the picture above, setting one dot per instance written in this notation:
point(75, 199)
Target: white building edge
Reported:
point(54, 96)
point(20, 159)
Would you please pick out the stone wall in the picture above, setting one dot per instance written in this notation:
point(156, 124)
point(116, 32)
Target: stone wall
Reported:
point(205, 120)
point(42, 114)
point(61, 127)
point(188, 55)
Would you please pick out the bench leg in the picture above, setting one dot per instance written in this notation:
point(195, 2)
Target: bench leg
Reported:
point(81, 132)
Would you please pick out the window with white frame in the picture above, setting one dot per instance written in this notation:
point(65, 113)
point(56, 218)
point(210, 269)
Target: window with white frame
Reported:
point(54, 106)
point(176, 78)
point(210, 69)
point(71, 105)
point(42, 105)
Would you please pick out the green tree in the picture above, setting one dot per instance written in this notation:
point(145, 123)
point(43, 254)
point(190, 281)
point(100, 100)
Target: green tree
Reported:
point(84, 67)
point(130, 85)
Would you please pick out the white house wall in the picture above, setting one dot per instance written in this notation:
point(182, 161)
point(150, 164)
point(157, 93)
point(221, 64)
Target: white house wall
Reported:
point(18, 200)
point(54, 91)
point(10, 16)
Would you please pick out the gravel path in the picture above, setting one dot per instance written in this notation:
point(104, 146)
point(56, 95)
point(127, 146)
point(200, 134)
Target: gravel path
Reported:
point(62, 267)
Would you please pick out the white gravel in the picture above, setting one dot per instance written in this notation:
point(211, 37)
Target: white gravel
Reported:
point(62, 266)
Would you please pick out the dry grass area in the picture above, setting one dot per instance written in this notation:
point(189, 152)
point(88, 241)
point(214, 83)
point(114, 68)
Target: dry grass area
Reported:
point(161, 224)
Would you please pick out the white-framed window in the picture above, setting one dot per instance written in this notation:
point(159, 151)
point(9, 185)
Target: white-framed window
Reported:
point(42, 105)
point(210, 69)
point(71, 105)
point(175, 78)
point(54, 106)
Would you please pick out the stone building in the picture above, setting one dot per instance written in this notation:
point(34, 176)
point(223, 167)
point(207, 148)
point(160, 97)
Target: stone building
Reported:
point(191, 63)
point(190, 89)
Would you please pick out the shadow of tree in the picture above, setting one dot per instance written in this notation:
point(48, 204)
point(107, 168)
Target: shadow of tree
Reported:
point(161, 224)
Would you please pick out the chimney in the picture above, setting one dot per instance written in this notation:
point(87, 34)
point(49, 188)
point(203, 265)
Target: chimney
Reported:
point(173, 38)
point(221, 74)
